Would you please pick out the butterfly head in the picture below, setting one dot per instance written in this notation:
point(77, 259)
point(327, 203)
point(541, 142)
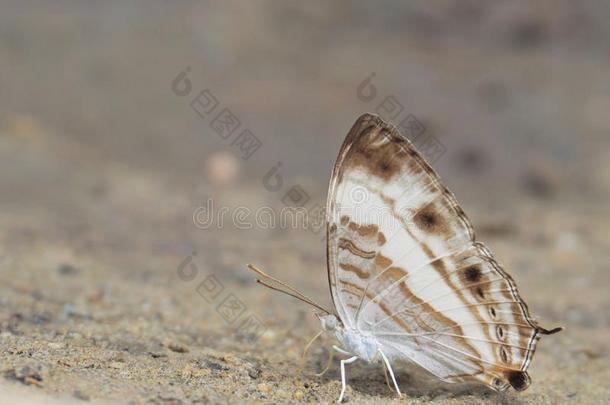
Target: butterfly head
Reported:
point(330, 322)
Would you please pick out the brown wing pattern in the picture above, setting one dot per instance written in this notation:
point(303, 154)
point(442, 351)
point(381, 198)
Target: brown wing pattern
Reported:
point(403, 264)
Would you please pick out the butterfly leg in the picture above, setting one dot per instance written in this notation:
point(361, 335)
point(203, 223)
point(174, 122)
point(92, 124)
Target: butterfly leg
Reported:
point(385, 375)
point(343, 384)
point(330, 361)
point(340, 350)
point(387, 363)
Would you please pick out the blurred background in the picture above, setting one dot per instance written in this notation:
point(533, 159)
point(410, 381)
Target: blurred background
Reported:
point(121, 122)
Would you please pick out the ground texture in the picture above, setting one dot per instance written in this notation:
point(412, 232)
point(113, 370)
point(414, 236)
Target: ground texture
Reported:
point(103, 166)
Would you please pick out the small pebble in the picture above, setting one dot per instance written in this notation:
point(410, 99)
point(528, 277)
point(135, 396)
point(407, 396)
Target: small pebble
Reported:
point(254, 373)
point(42, 318)
point(71, 311)
point(265, 388)
point(80, 395)
point(25, 375)
point(215, 366)
point(116, 365)
point(67, 269)
point(222, 169)
point(96, 296)
point(178, 348)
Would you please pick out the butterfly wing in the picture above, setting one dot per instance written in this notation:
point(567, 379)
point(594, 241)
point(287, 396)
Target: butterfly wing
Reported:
point(404, 265)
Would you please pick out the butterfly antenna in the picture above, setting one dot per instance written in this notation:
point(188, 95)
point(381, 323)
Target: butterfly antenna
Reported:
point(284, 288)
point(301, 298)
point(306, 349)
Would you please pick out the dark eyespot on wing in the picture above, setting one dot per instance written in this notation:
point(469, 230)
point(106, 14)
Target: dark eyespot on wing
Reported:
point(473, 274)
point(384, 160)
point(430, 220)
point(519, 380)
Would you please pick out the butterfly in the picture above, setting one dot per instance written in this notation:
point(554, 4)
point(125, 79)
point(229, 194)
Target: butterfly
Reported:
point(407, 277)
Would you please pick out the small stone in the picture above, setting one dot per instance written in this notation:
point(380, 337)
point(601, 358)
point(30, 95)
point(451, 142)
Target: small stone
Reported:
point(25, 375)
point(268, 336)
point(178, 348)
point(200, 372)
point(80, 395)
point(42, 318)
point(222, 169)
point(254, 373)
point(265, 388)
point(116, 364)
point(193, 371)
point(168, 400)
point(67, 269)
point(71, 311)
point(298, 395)
point(96, 296)
point(212, 365)
point(25, 126)
point(229, 358)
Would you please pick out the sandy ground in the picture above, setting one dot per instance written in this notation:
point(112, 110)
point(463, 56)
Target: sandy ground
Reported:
point(103, 166)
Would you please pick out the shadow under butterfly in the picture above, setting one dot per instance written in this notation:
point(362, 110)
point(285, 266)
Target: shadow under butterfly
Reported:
point(407, 277)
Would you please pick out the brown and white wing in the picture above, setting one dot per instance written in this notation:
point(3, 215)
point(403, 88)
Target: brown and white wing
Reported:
point(403, 264)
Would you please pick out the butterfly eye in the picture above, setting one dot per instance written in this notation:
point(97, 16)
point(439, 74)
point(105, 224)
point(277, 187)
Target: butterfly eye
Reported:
point(330, 323)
